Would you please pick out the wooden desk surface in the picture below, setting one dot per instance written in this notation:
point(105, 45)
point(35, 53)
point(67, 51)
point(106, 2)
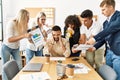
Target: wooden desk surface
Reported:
point(51, 69)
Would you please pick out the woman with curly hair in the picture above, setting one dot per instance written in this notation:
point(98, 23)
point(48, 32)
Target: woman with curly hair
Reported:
point(72, 32)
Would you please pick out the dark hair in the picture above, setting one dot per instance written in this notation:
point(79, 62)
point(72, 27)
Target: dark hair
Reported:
point(56, 28)
point(72, 19)
point(107, 2)
point(87, 14)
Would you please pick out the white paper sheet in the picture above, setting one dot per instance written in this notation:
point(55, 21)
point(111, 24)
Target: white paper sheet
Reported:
point(35, 76)
point(81, 69)
point(83, 47)
point(57, 58)
point(37, 37)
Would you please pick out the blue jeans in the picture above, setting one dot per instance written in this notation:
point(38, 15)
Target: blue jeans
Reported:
point(113, 61)
point(5, 55)
point(31, 53)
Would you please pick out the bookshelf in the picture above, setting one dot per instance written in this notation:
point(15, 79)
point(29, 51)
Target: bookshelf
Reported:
point(50, 14)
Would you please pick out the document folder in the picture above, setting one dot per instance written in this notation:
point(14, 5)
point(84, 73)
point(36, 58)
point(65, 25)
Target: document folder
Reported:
point(33, 67)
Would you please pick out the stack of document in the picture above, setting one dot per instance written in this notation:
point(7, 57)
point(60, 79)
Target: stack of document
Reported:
point(35, 76)
point(81, 69)
point(83, 47)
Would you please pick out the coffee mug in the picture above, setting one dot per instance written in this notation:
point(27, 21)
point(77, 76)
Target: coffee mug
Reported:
point(70, 70)
point(47, 58)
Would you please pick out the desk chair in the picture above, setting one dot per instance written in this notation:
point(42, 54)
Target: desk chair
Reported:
point(11, 69)
point(107, 73)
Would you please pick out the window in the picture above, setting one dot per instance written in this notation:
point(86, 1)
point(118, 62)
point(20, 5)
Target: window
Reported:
point(1, 22)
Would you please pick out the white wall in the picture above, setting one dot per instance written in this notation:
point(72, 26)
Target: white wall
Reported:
point(63, 8)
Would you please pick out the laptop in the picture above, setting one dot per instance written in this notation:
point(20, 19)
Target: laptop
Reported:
point(33, 67)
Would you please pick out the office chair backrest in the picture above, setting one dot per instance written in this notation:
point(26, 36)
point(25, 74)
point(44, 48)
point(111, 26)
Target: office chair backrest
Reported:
point(107, 73)
point(11, 69)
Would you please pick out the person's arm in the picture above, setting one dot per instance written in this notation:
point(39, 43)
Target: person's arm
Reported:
point(50, 47)
point(11, 33)
point(45, 49)
point(45, 35)
point(82, 39)
point(66, 47)
point(19, 37)
point(62, 44)
point(99, 43)
point(113, 26)
point(74, 40)
point(76, 36)
point(82, 35)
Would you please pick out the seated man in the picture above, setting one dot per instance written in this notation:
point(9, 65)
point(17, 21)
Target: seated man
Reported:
point(57, 46)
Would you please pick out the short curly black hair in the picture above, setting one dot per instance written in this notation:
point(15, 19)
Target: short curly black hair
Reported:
point(86, 14)
point(56, 28)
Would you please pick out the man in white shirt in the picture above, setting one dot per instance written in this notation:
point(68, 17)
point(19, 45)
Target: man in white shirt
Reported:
point(89, 29)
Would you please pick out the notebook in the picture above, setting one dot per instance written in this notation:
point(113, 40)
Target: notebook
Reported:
point(33, 67)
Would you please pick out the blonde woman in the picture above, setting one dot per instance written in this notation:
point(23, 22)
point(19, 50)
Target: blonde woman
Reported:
point(31, 48)
point(15, 31)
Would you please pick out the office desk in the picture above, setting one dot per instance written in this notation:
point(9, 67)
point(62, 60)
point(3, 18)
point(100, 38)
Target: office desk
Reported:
point(51, 69)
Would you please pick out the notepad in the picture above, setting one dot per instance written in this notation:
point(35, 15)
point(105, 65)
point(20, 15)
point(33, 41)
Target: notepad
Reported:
point(33, 67)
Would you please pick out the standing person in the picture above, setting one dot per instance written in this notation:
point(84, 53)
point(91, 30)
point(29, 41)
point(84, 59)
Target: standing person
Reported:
point(72, 32)
point(110, 35)
point(89, 29)
point(57, 46)
point(31, 48)
point(15, 31)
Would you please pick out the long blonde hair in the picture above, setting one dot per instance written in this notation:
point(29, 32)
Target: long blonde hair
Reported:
point(21, 21)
